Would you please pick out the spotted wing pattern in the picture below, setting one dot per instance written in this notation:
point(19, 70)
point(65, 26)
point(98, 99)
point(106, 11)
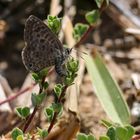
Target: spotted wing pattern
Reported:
point(42, 45)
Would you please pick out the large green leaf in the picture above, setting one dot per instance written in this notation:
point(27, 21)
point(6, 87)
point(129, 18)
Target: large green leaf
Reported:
point(107, 90)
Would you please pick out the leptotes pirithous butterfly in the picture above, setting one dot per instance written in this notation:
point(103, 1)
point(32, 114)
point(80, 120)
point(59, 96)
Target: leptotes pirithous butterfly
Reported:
point(43, 48)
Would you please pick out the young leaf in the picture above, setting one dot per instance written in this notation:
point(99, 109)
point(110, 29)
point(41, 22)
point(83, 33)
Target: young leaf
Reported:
point(58, 90)
point(35, 77)
point(54, 23)
point(42, 133)
point(23, 112)
point(58, 107)
point(49, 113)
point(79, 30)
point(37, 99)
point(45, 85)
point(92, 16)
point(111, 133)
point(107, 90)
point(16, 132)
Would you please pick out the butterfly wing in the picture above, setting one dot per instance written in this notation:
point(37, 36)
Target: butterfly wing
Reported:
point(41, 45)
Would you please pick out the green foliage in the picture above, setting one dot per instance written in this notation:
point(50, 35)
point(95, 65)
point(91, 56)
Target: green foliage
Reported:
point(114, 132)
point(107, 89)
point(58, 89)
point(49, 113)
point(58, 108)
point(54, 23)
point(42, 132)
point(23, 112)
point(37, 99)
point(72, 68)
point(79, 30)
point(45, 85)
point(120, 132)
point(92, 16)
point(37, 77)
point(17, 134)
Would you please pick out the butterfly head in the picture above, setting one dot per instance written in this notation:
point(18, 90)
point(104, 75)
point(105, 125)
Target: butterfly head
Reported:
point(67, 52)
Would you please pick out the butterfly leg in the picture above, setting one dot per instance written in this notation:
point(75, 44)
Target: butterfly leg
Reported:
point(59, 67)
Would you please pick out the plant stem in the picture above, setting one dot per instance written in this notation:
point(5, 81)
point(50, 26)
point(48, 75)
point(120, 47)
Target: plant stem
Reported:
point(9, 99)
point(29, 120)
point(56, 113)
point(90, 28)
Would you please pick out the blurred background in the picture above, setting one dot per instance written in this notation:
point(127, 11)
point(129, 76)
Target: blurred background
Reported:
point(116, 36)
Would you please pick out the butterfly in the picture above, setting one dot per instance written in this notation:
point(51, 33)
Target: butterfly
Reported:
point(43, 48)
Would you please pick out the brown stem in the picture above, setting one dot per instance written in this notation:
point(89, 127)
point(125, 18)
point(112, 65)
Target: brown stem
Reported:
point(56, 113)
point(29, 120)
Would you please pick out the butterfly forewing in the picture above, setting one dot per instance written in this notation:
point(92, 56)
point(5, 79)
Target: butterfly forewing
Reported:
point(41, 45)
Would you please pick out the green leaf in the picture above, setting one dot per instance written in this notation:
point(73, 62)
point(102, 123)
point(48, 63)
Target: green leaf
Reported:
point(43, 73)
point(92, 16)
point(42, 133)
point(82, 136)
point(16, 132)
point(130, 132)
point(79, 30)
point(57, 107)
point(121, 133)
point(58, 90)
point(54, 23)
point(111, 133)
point(104, 138)
point(35, 77)
point(49, 113)
point(72, 65)
point(23, 112)
point(107, 90)
point(45, 85)
point(91, 137)
point(37, 99)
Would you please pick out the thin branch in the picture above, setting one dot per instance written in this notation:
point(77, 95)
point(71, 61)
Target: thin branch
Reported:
point(56, 113)
point(9, 99)
point(30, 118)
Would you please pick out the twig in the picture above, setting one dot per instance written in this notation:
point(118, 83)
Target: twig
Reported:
point(9, 99)
point(56, 113)
point(30, 118)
